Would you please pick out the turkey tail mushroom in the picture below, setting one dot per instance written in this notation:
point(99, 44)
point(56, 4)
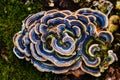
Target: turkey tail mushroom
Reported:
point(64, 41)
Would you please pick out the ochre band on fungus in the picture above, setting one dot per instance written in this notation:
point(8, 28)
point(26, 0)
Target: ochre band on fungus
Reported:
point(64, 41)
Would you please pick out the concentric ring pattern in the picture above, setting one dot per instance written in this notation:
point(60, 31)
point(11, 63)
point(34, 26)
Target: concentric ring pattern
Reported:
point(62, 41)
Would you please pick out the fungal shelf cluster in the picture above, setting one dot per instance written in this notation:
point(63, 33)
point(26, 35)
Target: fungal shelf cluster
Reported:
point(64, 41)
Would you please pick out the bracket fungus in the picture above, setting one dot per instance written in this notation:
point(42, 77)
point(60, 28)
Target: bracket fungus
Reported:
point(64, 41)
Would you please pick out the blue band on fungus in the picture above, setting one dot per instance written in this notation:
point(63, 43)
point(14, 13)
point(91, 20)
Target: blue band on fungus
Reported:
point(88, 60)
point(18, 53)
point(106, 36)
point(46, 67)
point(33, 18)
point(34, 53)
point(51, 16)
point(100, 17)
point(91, 29)
point(68, 50)
point(92, 71)
point(60, 29)
point(71, 17)
point(92, 18)
point(51, 56)
point(77, 31)
point(64, 41)
point(27, 51)
point(83, 19)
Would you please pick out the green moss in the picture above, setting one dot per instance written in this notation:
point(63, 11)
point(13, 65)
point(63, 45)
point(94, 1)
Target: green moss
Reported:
point(12, 12)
